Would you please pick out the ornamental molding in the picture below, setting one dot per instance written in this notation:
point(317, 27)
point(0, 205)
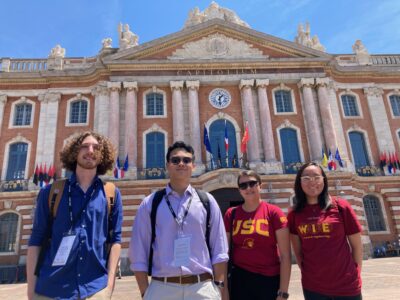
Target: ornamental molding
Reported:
point(49, 97)
point(217, 46)
point(246, 83)
point(193, 85)
point(373, 91)
point(322, 82)
point(176, 85)
point(130, 85)
point(100, 90)
point(114, 86)
point(3, 99)
point(262, 83)
point(306, 82)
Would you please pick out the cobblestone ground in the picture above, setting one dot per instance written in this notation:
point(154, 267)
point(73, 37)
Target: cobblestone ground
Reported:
point(381, 281)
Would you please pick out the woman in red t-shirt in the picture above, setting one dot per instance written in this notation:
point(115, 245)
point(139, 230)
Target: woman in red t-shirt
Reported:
point(326, 239)
point(259, 230)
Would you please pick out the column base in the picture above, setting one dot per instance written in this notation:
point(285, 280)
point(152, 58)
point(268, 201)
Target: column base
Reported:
point(200, 169)
point(131, 174)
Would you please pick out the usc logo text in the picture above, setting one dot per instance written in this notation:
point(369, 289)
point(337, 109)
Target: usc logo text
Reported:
point(249, 226)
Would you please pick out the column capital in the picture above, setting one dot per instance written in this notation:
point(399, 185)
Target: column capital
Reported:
point(373, 91)
point(114, 85)
point(246, 83)
point(100, 89)
point(306, 82)
point(262, 83)
point(193, 85)
point(130, 85)
point(49, 97)
point(322, 82)
point(3, 99)
point(176, 85)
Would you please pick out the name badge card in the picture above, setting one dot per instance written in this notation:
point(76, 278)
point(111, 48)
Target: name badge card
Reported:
point(182, 251)
point(64, 250)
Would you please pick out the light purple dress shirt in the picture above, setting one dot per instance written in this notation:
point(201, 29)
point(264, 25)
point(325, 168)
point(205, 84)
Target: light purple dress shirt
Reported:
point(167, 231)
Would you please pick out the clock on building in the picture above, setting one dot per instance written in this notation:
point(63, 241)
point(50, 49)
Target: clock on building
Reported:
point(219, 98)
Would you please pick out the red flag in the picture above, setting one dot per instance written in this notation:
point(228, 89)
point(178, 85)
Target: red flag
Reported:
point(41, 178)
point(245, 139)
point(397, 160)
point(393, 161)
point(36, 176)
point(51, 172)
point(46, 177)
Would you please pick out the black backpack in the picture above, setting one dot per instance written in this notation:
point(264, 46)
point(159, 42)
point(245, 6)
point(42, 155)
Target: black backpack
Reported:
point(159, 195)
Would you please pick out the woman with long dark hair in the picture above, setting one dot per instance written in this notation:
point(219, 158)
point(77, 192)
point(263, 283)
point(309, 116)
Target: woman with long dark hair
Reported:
point(260, 245)
point(326, 239)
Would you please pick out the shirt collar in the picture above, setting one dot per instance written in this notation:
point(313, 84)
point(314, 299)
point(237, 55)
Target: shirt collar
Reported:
point(73, 180)
point(188, 192)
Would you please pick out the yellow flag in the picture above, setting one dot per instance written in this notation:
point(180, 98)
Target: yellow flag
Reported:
point(324, 161)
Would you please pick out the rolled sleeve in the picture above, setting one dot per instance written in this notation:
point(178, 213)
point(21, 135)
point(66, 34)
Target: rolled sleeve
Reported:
point(139, 245)
point(40, 222)
point(218, 241)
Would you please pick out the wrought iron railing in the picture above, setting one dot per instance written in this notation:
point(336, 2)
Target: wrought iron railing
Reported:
point(292, 168)
point(151, 173)
point(367, 171)
point(16, 185)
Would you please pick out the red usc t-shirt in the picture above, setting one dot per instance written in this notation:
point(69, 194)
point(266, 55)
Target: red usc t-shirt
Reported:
point(328, 266)
point(254, 242)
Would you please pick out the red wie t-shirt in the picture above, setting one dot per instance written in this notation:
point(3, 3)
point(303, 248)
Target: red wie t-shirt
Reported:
point(327, 267)
point(254, 242)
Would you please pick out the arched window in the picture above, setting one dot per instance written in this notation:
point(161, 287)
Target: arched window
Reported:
point(78, 112)
point(290, 146)
point(350, 107)
point(155, 150)
point(217, 141)
point(359, 149)
point(373, 210)
point(154, 104)
point(17, 161)
point(395, 103)
point(8, 232)
point(22, 114)
point(283, 101)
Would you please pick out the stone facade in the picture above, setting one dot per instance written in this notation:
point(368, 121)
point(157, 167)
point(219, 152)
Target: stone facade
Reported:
point(115, 92)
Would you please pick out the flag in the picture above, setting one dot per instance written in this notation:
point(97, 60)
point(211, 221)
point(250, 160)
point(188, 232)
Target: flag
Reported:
point(396, 158)
point(324, 161)
point(245, 139)
point(41, 175)
point(382, 160)
point(52, 173)
point(338, 158)
point(46, 177)
point(118, 172)
point(126, 164)
point(331, 163)
point(36, 176)
point(219, 157)
point(226, 139)
point(206, 140)
point(393, 159)
point(389, 164)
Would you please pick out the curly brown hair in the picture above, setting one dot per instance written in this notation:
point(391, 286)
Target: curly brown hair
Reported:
point(69, 153)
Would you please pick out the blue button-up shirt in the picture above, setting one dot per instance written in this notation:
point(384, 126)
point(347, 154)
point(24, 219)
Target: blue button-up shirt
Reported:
point(167, 231)
point(85, 271)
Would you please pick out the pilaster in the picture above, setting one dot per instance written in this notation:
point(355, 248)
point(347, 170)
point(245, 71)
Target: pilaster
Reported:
point(177, 111)
point(3, 101)
point(113, 128)
point(131, 138)
point(101, 108)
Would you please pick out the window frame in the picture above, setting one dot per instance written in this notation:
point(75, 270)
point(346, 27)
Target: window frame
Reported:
point(285, 88)
point(78, 97)
point(164, 101)
point(357, 103)
point(17, 233)
point(395, 94)
point(383, 212)
point(153, 128)
point(14, 105)
point(18, 139)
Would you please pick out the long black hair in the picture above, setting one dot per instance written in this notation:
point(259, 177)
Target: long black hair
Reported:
point(301, 198)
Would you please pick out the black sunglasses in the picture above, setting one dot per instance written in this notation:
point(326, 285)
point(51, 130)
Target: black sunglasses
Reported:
point(245, 185)
point(176, 160)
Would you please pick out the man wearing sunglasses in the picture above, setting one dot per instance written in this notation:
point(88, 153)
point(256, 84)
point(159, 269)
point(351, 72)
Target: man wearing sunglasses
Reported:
point(182, 265)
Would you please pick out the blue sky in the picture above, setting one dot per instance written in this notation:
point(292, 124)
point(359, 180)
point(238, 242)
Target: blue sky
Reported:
point(29, 29)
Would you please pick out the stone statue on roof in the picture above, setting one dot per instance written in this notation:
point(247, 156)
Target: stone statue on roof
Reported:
point(214, 11)
point(361, 52)
point(359, 48)
point(127, 39)
point(304, 38)
point(57, 52)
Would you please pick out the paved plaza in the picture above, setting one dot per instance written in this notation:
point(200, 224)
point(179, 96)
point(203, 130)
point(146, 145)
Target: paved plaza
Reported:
point(381, 281)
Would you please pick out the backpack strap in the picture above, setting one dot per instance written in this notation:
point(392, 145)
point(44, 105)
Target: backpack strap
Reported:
point(206, 203)
point(55, 195)
point(109, 189)
point(158, 196)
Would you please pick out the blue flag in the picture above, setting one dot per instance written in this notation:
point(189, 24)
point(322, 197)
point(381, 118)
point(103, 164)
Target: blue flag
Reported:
point(126, 164)
point(206, 140)
point(338, 158)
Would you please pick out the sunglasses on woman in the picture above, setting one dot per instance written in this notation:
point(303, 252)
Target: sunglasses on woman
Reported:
point(245, 185)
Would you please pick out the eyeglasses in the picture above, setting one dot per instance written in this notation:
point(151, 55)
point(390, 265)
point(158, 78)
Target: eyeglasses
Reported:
point(245, 185)
point(86, 146)
point(317, 178)
point(176, 160)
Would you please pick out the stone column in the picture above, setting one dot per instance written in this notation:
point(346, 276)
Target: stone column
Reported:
point(3, 101)
point(311, 120)
point(47, 131)
point(194, 124)
point(253, 152)
point(113, 126)
point(101, 108)
point(379, 118)
point(265, 120)
point(177, 111)
point(326, 114)
point(131, 138)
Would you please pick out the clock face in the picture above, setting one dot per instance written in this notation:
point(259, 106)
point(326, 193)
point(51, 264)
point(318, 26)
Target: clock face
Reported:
point(219, 98)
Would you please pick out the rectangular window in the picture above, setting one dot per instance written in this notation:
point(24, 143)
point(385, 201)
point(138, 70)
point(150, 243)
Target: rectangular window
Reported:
point(78, 112)
point(283, 101)
point(350, 106)
point(22, 115)
point(154, 104)
point(374, 214)
point(395, 103)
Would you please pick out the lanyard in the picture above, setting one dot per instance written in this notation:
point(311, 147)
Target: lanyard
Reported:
point(78, 216)
point(179, 222)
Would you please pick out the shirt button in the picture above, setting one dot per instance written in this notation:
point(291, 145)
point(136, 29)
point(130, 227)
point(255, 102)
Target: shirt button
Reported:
point(84, 210)
point(82, 241)
point(83, 226)
point(79, 275)
point(81, 258)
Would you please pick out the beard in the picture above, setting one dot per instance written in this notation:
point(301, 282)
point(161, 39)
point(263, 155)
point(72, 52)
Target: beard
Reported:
point(88, 162)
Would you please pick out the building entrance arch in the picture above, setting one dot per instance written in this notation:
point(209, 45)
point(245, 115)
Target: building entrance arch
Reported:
point(227, 197)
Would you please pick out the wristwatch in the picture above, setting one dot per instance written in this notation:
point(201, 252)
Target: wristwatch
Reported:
point(283, 294)
point(219, 284)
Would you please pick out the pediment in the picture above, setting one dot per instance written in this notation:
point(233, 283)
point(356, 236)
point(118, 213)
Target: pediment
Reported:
point(215, 40)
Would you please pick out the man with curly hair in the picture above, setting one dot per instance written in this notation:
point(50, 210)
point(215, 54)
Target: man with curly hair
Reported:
point(76, 264)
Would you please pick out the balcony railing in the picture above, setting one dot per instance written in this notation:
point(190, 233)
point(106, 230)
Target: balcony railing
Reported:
point(368, 171)
point(151, 173)
point(16, 185)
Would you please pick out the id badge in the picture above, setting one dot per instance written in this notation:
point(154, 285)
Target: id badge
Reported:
point(64, 250)
point(182, 251)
